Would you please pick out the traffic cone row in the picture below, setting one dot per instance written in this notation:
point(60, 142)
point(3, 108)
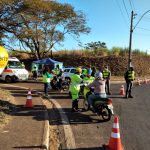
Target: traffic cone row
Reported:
point(29, 99)
point(122, 91)
point(115, 140)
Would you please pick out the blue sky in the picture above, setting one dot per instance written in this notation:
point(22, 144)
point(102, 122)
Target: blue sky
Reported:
point(109, 21)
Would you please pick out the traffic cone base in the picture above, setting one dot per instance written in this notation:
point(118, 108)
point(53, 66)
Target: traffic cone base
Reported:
point(115, 141)
point(29, 99)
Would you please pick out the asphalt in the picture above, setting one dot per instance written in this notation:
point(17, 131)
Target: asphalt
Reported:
point(28, 127)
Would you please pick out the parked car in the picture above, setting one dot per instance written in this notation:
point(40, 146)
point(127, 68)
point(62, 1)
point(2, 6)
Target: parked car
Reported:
point(68, 72)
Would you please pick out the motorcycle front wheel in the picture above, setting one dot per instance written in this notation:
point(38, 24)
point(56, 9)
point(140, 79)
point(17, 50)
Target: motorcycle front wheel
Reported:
point(106, 113)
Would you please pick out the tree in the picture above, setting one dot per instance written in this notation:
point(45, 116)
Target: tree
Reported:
point(95, 45)
point(37, 26)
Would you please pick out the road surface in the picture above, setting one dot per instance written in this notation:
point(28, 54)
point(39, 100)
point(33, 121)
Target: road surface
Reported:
point(88, 132)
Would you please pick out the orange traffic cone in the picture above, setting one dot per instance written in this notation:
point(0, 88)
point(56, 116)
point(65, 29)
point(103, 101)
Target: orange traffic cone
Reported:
point(29, 99)
point(145, 81)
point(115, 141)
point(138, 82)
point(122, 90)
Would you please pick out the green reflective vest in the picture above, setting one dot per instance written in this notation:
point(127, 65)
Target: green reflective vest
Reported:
point(75, 83)
point(106, 74)
point(47, 77)
point(56, 71)
point(88, 79)
point(131, 75)
point(34, 69)
point(85, 72)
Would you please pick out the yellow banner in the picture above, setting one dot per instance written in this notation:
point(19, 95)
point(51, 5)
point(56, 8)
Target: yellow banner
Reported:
point(3, 58)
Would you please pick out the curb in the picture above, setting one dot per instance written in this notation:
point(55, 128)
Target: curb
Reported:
point(45, 141)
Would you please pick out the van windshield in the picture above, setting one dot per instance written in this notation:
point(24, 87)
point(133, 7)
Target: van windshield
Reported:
point(15, 64)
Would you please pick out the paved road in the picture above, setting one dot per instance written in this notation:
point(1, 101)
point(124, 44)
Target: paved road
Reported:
point(90, 132)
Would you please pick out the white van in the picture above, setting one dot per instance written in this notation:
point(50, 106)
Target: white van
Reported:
point(14, 71)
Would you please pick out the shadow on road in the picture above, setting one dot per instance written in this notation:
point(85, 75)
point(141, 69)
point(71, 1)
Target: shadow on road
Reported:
point(90, 148)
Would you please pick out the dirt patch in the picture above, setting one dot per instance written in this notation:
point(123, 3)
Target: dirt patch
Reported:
point(54, 135)
point(6, 107)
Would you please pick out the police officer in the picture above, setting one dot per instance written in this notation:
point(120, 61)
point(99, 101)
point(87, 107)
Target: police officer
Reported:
point(129, 77)
point(87, 79)
point(106, 75)
point(46, 80)
point(35, 72)
point(75, 88)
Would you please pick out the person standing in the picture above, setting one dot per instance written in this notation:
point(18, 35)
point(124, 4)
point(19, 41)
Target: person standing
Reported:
point(23, 65)
point(74, 88)
point(106, 75)
point(129, 77)
point(94, 70)
point(35, 72)
point(46, 80)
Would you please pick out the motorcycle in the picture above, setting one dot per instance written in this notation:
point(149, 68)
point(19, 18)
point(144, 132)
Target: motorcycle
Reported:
point(59, 83)
point(102, 106)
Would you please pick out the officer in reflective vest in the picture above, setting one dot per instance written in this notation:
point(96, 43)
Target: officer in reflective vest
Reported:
point(87, 80)
point(74, 88)
point(106, 75)
point(46, 80)
point(129, 77)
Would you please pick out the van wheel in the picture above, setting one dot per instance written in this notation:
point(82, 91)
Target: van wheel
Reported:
point(8, 79)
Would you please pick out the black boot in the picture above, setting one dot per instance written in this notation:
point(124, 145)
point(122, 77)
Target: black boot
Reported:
point(130, 96)
point(74, 106)
point(126, 96)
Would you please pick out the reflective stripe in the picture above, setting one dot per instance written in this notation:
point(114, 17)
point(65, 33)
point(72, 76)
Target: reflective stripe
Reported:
point(115, 135)
point(29, 97)
point(115, 125)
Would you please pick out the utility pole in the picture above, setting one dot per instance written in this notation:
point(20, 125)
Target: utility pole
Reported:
point(131, 31)
point(130, 41)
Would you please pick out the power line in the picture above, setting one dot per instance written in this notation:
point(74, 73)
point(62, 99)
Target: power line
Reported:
point(145, 18)
point(130, 4)
point(122, 14)
point(143, 28)
point(126, 9)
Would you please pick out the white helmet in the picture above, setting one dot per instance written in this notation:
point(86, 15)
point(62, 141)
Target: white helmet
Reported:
point(98, 75)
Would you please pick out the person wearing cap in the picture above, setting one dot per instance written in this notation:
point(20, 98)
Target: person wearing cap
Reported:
point(99, 89)
point(35, 72)
point(74, 88)
point(106, 75)
point(129, 76)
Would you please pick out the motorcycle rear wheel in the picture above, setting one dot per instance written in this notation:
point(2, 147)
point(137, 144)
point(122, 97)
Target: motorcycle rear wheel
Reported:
point(106, 113)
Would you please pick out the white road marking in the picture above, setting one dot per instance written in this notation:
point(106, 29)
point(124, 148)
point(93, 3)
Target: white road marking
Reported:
point(69, 136)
